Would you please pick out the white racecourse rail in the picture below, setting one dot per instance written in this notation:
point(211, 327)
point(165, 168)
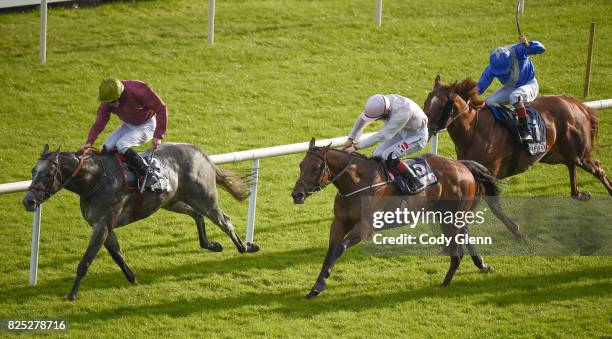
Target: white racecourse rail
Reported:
point(253, 155)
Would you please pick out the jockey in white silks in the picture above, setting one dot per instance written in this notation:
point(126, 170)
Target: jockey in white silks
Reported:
point(404, 132)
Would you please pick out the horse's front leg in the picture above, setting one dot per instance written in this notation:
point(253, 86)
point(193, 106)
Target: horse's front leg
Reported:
point(337, 246)
point(98, 237)
point(456, 254)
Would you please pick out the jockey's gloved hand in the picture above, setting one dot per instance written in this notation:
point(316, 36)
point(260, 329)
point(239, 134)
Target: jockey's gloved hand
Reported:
point(348, 143)
point(523, 40)
point(85, 146)
point(156, 142)
point(351, 149)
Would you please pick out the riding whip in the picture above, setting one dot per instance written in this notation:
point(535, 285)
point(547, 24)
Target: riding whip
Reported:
point(520, 6)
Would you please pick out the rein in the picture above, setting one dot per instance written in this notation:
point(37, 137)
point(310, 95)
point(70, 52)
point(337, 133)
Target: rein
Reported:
point(364, 189)
point(79, 166)
point(451, 109)
point(467, 146)
point(466, 110)
point(454, 117)
point(320, 185)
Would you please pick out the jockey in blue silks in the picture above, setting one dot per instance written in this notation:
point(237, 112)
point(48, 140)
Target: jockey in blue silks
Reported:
point(511, 65)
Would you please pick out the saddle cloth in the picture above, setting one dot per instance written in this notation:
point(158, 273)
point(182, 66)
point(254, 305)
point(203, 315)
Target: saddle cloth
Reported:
point(423, 171)
point(157, 180)
point(536, 125)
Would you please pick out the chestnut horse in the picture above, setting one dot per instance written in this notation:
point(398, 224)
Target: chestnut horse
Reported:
point(571, 128)
point(460, 185)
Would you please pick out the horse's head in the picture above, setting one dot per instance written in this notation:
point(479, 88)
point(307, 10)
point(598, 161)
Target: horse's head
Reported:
point(314, 173)
point(442, 99)
point(46, 179)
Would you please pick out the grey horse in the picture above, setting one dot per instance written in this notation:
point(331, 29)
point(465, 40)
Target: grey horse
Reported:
point(107, 204)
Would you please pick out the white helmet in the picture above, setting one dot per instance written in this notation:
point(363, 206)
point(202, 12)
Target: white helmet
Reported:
point(376, 106)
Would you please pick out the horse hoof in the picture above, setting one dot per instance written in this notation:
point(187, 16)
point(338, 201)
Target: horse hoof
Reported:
point(133, 281)
point(582, 196)
point(252, 247)
point(214, 247)
point(486, 269)
point(71, 297)
point(312, 294)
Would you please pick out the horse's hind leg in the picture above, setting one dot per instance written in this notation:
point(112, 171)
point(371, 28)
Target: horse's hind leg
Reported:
point(493, 203)
point(224, 222)
point(181, 207)
point(594, 167)
point(477, 259)
point(112, 246)
point(95, 242)
point(576, 194)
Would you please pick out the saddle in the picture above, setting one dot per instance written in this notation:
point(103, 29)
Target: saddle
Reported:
point(424, 174)
point(156, 179)
point(536, 125)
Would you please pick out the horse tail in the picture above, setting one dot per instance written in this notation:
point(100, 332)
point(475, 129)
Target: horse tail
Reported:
point(492, 192)
point(236, 185)
point(483, 177)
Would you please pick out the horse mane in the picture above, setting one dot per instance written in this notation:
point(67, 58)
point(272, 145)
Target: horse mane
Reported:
point(464, 89)
point(356, 154)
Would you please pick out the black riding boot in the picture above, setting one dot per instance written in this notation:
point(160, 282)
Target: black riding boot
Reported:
point(415, 184)
point(399, 167)
point(136, 162)
point(524, 131)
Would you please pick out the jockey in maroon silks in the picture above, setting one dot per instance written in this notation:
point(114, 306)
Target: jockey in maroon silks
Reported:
point(144, 115)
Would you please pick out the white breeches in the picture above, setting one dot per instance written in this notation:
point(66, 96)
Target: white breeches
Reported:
point(128, 135)
point(401, 144)
point(506, 95)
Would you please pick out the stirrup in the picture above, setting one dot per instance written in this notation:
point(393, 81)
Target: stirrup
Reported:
point(526, 138)
point(140, 182)
point(415, 185)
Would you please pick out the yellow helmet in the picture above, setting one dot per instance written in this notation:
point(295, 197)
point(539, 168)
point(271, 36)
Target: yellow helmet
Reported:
point(110, 90)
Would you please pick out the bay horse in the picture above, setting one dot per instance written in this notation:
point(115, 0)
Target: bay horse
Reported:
point(461, 184)
point(571, 129)
point(107, 204)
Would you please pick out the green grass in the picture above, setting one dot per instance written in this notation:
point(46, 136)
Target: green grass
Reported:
point(281, 72)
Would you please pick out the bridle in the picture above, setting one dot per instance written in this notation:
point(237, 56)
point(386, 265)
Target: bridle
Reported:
point(325, 177)
point(57, 172)
point(326, 173)
point(448, 112)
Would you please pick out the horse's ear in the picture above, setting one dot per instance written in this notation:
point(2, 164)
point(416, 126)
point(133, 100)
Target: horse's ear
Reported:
point(326, 148)
point(45, 150)
point(311, 146)
point(57, 152)
point(437, 81)
point(473, 93)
